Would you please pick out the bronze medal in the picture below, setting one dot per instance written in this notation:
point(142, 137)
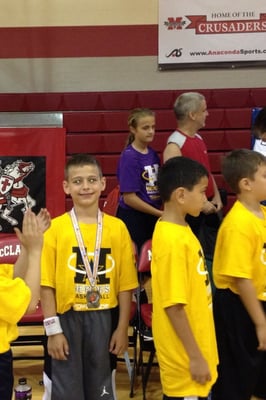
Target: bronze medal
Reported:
point(93, 298)
point(92, 295)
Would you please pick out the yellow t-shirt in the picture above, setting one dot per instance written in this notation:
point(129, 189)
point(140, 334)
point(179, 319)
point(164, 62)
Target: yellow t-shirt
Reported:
point(14, 300)
point(240, 250)
point(63, 269)
point(180, 276)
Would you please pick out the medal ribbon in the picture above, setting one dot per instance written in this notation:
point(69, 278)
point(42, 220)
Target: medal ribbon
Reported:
point(92, 276)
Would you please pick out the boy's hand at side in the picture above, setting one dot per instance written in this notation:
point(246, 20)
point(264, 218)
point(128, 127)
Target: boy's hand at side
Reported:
point(199, 370)
point(209, 208)
point(261, 335)
point(254, 308)
point(119, 341)
point(58, 347)
point(198, 366)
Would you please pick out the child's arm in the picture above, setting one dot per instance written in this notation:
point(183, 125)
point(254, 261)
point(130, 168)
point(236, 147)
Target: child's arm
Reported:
point(43, 222)
point(133, 201)
point(28, 264)
point(217, 197)
point(199, 368)
point(171, 150)
point(248, 296)
point(119, 339)
point(57, 343)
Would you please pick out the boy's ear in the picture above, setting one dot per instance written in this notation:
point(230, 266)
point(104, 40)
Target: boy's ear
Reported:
point(103, 181)
point(180, 194)
point(244, 184)
point(65, 187)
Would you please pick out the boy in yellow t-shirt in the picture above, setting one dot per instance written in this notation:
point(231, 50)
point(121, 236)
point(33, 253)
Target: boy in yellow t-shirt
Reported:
point(239, 271)
point(182, 323)
point(19, 291)
point(88, 274)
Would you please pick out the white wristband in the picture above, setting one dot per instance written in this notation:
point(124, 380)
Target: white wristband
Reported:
point(52, 326)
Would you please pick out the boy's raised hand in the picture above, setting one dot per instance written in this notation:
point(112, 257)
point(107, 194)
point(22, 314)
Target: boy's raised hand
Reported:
point(44, 219)
point(32, 228)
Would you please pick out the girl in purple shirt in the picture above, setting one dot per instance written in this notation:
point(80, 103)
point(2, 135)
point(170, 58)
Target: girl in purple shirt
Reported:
point(139, 204)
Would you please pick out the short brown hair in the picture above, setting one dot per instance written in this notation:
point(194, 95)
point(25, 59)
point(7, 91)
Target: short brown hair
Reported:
point(79, 160)
point(239, 164)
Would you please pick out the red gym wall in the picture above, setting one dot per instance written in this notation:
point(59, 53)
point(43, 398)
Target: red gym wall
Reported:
point(95, 45)
point(95, 60)
point(96, 122)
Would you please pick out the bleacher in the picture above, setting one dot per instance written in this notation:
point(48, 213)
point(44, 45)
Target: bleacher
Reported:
point(96, 122)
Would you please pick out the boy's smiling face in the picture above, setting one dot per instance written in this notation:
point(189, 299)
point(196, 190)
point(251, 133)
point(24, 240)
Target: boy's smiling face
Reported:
point(84, 185)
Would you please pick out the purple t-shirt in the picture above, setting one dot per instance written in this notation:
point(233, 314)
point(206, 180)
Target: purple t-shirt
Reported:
point(138, 173)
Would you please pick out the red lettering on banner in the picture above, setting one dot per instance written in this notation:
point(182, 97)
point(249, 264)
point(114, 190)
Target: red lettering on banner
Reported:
point(204, 27)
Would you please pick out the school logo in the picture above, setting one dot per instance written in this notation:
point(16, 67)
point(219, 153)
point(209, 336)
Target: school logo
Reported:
point(150, 174)
point(22, 186)
point(173, 23)
point(106, 265)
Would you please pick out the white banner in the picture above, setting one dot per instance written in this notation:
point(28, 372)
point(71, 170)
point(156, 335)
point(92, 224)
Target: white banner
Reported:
point(211, 33)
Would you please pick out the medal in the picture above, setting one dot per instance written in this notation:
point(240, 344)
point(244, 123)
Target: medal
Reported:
point(93, 298)
point(92, 295)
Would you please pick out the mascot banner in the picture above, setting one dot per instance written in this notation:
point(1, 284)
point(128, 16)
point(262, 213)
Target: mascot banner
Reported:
point(31, 173)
